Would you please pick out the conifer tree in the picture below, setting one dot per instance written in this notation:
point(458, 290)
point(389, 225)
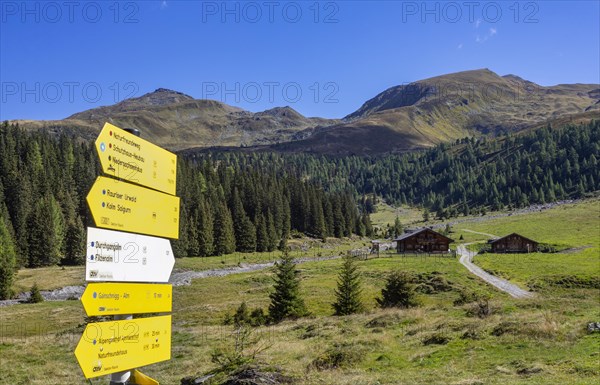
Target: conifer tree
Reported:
point(46, 233)
point(8, 258)
point(223, 231)
point(348, 289)
point(286, 300)
point(75, 242)
point(271, 232)
point(180, 246)
point(398, 229)
point(366, 221)
point(246, 241)
point(35, 296)
point(262, 237)
point(205, 230)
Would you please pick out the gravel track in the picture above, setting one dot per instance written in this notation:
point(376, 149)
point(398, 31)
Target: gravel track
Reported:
point(178, 278)
point(466, 258)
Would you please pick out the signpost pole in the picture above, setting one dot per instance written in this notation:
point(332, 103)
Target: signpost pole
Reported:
point(136, 197)
point(121, 378)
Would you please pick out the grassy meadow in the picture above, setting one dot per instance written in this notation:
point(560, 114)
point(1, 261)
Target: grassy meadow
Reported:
point(535, 341)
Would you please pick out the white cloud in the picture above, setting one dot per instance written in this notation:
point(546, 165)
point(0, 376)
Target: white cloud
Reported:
point(477, 23)
point(482, 39)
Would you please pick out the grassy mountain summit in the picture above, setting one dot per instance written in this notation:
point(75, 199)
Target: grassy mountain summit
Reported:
point(448, 107)
point(402, 118)
point(177, 121)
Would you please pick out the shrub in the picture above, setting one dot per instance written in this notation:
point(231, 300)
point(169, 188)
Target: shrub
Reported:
point(258, 317)
point(481, 309)
point(436, 339)
point(242, 315)
point(35, 295)
point(339, 356)
point(432, 283)
point(547, 248)
point(398, 291)
point(468, 296)
point(243, 351)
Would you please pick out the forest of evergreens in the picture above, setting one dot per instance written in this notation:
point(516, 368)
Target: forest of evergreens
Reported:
point(451, 179)
point(239, 201)
point(44, 181)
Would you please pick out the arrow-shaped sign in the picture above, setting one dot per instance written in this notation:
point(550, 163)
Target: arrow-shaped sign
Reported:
point(126, 298)
point(126, 156)
point(127, 257)
point(124, 206)
point(115, 346)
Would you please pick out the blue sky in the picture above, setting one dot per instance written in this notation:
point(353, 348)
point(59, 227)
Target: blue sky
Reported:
point(321, 58)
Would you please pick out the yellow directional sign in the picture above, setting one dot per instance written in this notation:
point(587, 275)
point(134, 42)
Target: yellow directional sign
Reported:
point(139, 378)
point(123, 206)
point(126, 156)
point(115, 346)
point(126, 298)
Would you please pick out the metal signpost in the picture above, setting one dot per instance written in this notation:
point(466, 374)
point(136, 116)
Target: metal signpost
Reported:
point(136, 195)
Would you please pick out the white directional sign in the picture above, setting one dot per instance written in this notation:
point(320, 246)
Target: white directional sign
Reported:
point(127, 257)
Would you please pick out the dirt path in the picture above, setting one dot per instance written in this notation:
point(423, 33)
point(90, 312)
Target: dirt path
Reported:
point(466, 258)
point(178, 278)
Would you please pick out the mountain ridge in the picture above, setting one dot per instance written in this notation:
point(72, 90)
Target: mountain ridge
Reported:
point(401, 118)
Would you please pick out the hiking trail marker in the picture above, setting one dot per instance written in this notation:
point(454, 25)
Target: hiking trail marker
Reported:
point(126, 298)
point(114, 346)
point(136, 196)
point(124, 206)
point(127, 257)
point(128, 157)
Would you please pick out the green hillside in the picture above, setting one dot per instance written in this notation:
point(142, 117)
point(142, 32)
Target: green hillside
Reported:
point(541, 340)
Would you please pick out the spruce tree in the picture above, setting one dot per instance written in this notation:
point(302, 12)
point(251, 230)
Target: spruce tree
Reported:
point(75, 242)
point(246, 239)
point(180, 246)
point(348, 289)
point(366, 221)
point(271, 232)
point(286, 300)
point(398, 230)
point(205, 230)
point(287, 220)
point(46, 233)
point(8, 258)
point(223, 231)
point(398, 291)
point(192, 230)
point(35, 296)
point(262, 237)
point(426, 215)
